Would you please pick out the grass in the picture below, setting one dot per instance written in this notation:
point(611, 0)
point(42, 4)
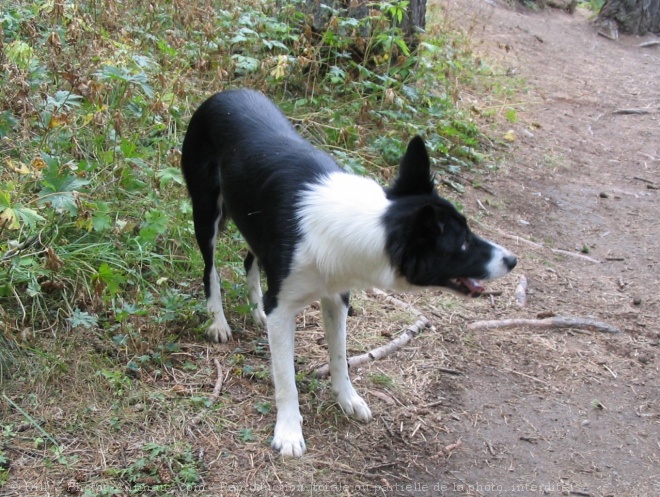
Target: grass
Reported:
point(101, 308)
point(93, 213)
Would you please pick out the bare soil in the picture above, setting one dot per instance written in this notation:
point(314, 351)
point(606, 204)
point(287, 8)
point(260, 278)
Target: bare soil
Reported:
point(551, 412)
point(501, 412)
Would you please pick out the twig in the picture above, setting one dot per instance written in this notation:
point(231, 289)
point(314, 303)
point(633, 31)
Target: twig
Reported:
point(454, 372)
point(573, 254)
point(647, 44)
point(530, 377)
point(628, 112)
point(214, 395)
point(521, 292)
point(31, 420)
point(556, 322)
point(382, 351)
point(540, 246)
point(397, 302)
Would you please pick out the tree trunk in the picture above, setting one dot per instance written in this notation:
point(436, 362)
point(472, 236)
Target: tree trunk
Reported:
point(413, 21)
point(637, 17)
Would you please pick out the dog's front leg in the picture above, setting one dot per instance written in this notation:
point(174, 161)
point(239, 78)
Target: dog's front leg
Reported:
point(288, 439)
point(335, 311)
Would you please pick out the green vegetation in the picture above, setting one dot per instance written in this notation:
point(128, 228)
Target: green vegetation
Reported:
point(95, 227)
point(593, 5)
point(100, 277)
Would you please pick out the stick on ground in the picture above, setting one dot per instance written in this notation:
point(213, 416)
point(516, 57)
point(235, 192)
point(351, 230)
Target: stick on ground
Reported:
point(521, 292)
point(214, 395)
point(382, 351)
point(557, 322)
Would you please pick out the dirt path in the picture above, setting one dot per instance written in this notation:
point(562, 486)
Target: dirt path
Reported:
point(555, 412)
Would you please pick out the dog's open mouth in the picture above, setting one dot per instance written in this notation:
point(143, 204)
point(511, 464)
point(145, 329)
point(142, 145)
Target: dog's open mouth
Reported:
point(466, 286)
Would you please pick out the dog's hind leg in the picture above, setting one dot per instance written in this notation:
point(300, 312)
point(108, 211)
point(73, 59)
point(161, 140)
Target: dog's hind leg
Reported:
point(208, 219)
point(334, 311)
point(254, 289)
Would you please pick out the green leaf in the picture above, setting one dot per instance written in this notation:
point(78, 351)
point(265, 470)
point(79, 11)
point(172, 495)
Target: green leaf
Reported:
point(511, 116)
point(169, 175)
point(110, 279)
point(156, 223)
point(82, 319)
point(20, 53)
point(101, 221)
point(59, 187)
point(264, 407)
point(245, 64)
point(246, 435)
point(28, 216)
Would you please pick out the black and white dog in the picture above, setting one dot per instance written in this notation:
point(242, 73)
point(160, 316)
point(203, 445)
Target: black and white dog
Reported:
point(317, 232)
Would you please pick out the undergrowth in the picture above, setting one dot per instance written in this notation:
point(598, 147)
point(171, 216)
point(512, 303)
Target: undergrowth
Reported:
point(95, 226)
point(97, 247)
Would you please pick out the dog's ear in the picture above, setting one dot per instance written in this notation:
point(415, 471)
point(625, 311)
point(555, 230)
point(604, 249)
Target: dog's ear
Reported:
point(414, 176)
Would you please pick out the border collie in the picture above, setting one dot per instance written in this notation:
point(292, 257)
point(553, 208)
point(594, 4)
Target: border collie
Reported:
point(317, 232)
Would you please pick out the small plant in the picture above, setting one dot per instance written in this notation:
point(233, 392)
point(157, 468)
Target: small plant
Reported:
point(161, 471)
point(117, 380)
point(593, 5)
point(246, 435)
point(381, 380)
point(263, 407)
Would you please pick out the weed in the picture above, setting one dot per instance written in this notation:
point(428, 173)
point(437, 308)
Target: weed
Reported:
point(92, 208)
point(593, 5)
point(381, 380)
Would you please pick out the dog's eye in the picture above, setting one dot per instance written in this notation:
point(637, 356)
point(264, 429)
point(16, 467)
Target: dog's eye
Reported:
point(464, 247)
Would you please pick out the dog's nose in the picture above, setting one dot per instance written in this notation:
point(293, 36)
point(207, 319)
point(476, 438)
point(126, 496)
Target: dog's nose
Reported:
point(510, 261)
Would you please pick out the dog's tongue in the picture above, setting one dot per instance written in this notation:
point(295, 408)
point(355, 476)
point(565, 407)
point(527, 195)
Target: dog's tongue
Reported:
point(473, 285)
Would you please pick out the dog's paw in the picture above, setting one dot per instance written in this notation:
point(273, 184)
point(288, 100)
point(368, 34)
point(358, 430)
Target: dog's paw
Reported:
point(354, 406)
point(259, 317)
point(288, 440)
point(219, 331)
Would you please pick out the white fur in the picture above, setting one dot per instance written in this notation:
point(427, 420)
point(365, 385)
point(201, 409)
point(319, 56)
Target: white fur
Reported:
point(255, 295)
point(496, 268)
point(288, 438)
point(219, 329)
point(343, 243)
point(334, 313)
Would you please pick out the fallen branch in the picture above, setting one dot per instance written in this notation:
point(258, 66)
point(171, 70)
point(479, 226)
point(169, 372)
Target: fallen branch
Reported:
point(380, 352)
point(214, 395)
point(540, 246)
point(557, 322)
point(630, 112)
point(573, 254)
point(647, 44)
point(397, 302)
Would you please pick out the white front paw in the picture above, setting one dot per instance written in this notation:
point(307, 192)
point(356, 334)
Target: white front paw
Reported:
point(288, 439)
point(353, 405)
point(219, 331)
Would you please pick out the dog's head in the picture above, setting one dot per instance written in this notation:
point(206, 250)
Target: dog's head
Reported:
point(428, 240)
